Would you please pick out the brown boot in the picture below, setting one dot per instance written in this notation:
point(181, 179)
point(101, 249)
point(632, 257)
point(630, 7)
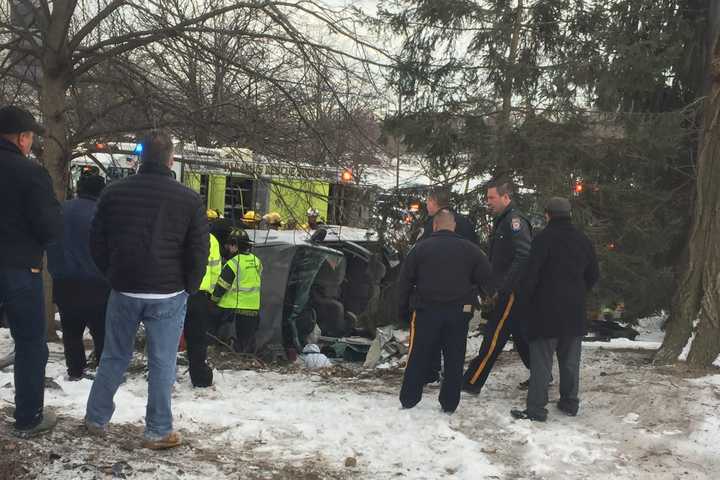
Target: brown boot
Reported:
point(46, 425)
point(171, 440)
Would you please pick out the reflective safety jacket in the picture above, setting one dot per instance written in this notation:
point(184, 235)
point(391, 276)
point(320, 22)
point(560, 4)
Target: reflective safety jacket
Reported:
point(214, 267)
point(239, 284)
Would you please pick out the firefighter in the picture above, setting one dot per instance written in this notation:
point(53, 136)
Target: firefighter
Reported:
point(199, 310)
point(443, 275)
point(237, 292)
point(271, 221)
point(509, 251)
point(251, 219)
point(313, 219)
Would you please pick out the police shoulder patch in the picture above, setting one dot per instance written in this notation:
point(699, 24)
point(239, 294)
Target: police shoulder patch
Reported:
point(515, 224)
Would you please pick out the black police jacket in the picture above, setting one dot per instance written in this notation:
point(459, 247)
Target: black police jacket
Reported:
point(463, 227)
point(562, 268)
point(150, 234)
point(445, 269)
point(30, 216)
point(509, 248)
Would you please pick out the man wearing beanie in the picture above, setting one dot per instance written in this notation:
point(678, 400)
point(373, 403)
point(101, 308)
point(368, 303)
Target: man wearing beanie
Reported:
point(80, 291)
point(31, 220)
point(561, 270)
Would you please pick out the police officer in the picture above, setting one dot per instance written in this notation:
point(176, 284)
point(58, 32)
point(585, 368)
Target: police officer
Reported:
point(199, 310)
point(437, 200)
point(443, 275)
point(509, 251)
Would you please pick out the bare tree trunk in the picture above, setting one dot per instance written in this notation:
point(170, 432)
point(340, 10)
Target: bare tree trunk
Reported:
point(55, 157)
point(56, 71)
point(698, 294)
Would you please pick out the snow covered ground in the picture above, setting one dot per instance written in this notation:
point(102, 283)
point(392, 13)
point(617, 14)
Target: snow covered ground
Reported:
point(636, 421)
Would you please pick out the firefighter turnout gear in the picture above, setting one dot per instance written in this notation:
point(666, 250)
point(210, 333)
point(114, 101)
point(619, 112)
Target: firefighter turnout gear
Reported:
point(240, 280)
point(439, 283)
point(238, 295)
point(509, 251)
point(214, 268)
point(197, 319)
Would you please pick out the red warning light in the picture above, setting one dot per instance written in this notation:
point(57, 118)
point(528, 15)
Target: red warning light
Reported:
point(100, 146)
point(579, 186)
point(346, 176)
point(414, 206)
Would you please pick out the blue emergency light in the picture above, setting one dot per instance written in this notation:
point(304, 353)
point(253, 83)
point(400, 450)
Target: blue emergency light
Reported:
point(138, 149)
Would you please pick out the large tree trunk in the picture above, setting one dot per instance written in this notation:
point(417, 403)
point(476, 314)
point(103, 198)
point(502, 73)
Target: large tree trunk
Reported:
point(55, 157)
point(698, 294)
point(706, 346)
point(56, 72)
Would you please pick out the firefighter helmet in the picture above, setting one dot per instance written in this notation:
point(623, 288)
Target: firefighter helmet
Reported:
point(239, 236)
point(251, 217)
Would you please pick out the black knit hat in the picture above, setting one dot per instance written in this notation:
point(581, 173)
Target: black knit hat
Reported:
point(558, 207)
point(18, 120)
point(90, 185)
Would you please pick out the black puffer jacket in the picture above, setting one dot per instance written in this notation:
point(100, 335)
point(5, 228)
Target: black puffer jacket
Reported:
point(562, 268)
point(30, 215)
point(150, 234)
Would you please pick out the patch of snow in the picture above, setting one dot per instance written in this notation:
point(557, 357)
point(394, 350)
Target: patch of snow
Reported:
point(623, 343)
point(650, 328)
point(686, 350)
point(631, 418)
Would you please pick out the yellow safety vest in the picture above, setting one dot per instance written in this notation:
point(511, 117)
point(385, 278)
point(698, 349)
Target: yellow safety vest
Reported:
point(244, 293)
point(214, 267)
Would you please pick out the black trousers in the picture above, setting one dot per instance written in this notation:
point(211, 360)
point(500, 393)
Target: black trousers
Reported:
point(243, 330)
point(81, 304)
point(197, 323)
point(432, 330)
point(21, 292)
point(501, 325)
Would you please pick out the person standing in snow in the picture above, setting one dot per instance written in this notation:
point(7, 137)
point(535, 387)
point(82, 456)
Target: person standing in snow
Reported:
point(31, 220)
point(79, 289)
point(508, 251)
point(443, 274)
point(563, 267)
point(237, 292)
point(150, 239)
point(438, 200)
point(199, 310)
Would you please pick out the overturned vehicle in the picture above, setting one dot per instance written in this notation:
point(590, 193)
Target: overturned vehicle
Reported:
point(340, 279)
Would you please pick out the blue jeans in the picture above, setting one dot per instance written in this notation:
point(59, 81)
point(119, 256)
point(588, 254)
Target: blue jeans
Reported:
point(163, 321)
point(21, 291)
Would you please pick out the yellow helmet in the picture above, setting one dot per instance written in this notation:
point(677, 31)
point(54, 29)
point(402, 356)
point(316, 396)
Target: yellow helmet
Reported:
point(251, 217)
point(212, 214)
point(273, 218)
